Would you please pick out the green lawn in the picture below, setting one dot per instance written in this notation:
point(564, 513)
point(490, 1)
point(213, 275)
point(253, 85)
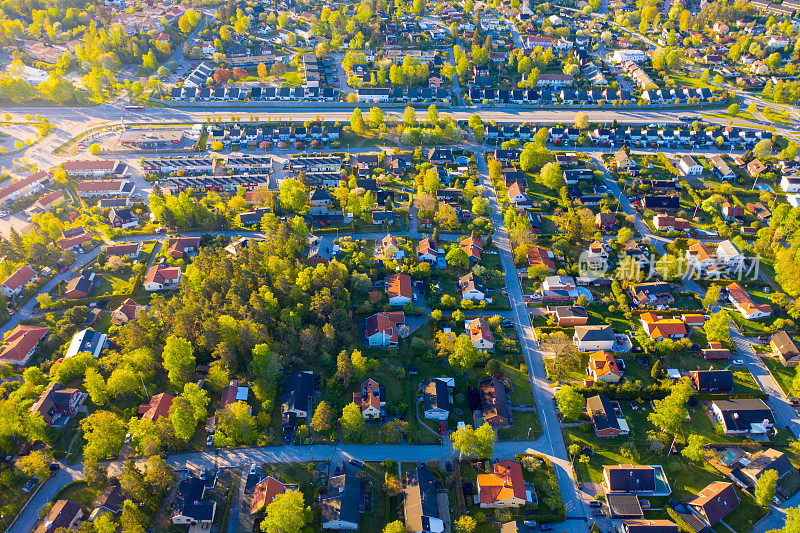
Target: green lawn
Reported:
point(292, 79)
point(784, 375)
point(80, 493)
point(384, 506)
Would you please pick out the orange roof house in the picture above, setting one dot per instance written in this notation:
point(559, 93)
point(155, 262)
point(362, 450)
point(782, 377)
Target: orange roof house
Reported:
point(480, 334)
point(538, 257)
point(659, 328)
point(473, 248)
point(158, 407)
point(20, 344)
point(745, 304)
point(505, 487)
point(264, 492)
point(603, 367)
point(398, 289)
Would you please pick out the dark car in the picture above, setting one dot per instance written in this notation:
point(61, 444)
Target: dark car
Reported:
point(356, 463)
point(598, 512)
point(595, 503)
point(448, 466)
point(54, 466)
point(793, 401)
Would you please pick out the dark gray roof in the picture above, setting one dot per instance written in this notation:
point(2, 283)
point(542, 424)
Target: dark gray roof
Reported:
point(602, 411)
point(189, 501)
point(740, 413)
point(344, 499)
point(629, 478)
point(299, 390)
point(420, 499)
point(594, 333)
point(435, 395)
point(624, 505)
point(714, 379)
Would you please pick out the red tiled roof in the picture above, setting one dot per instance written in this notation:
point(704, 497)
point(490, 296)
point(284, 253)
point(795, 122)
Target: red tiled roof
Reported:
point(20, 277)
point(159, 406)
point(20, 341)
point(265, 491)
point(399, 285)
point(504, 483)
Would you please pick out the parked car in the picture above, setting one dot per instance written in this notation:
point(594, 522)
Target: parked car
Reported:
point(443, 428)
point(595, 503)
point(793, 401)
point(210, 440)
point(254, 468)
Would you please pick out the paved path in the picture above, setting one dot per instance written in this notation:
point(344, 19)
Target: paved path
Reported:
point(551, 441)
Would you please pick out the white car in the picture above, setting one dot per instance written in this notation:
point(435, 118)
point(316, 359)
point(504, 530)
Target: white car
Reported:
point(254, 469)
point(737, 362)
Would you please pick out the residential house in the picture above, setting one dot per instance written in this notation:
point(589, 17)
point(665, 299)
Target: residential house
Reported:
point(297, 401)
point(371, 399)
point(503, 487)
point(622, 505)
point(471, 287)
point(603, 367)
point(728, 254)
point(660, 328)
point(745, 304)
point(82, 286)
point(764, 460)
point(732, 213)
point(651, 294)
point(320, 201)
point(321, 250)
point(428, 251)
point(63, 515)
point(127, 311)
point(606, 415)
point(540, 258)
point(689, 166)
point(473, 247)
point(177, 246)
point(624, 162)
point(109, 501)
point(494, 402)
point(388, 248)
point(670, 223)
point(605, 221)
point(701, 261)
point(568, 316)
point(398, 289)
point(264, 492)
point(716, 352)
point(436, 399)
point(480, 334)
point(74, 238)
point(755, 168)
point(89, 341)
point(233, 393)
point(785, 348)
point(712, 380)
point(593, 338)
point(13, 284)
point(342, 503)
point(714, 502)
point(721, 168)
point(381, 329)
point(743, 416)
point(420, 502)
point(130, 250)
point(516, 195)
point(190, 506)
point(637, 479)
point(761, 212)
point(558, 283)
point(57, 403)
point(160, 277)
point(20, 344)
point(122, 218)
point(661, 202)
point(158, 407)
